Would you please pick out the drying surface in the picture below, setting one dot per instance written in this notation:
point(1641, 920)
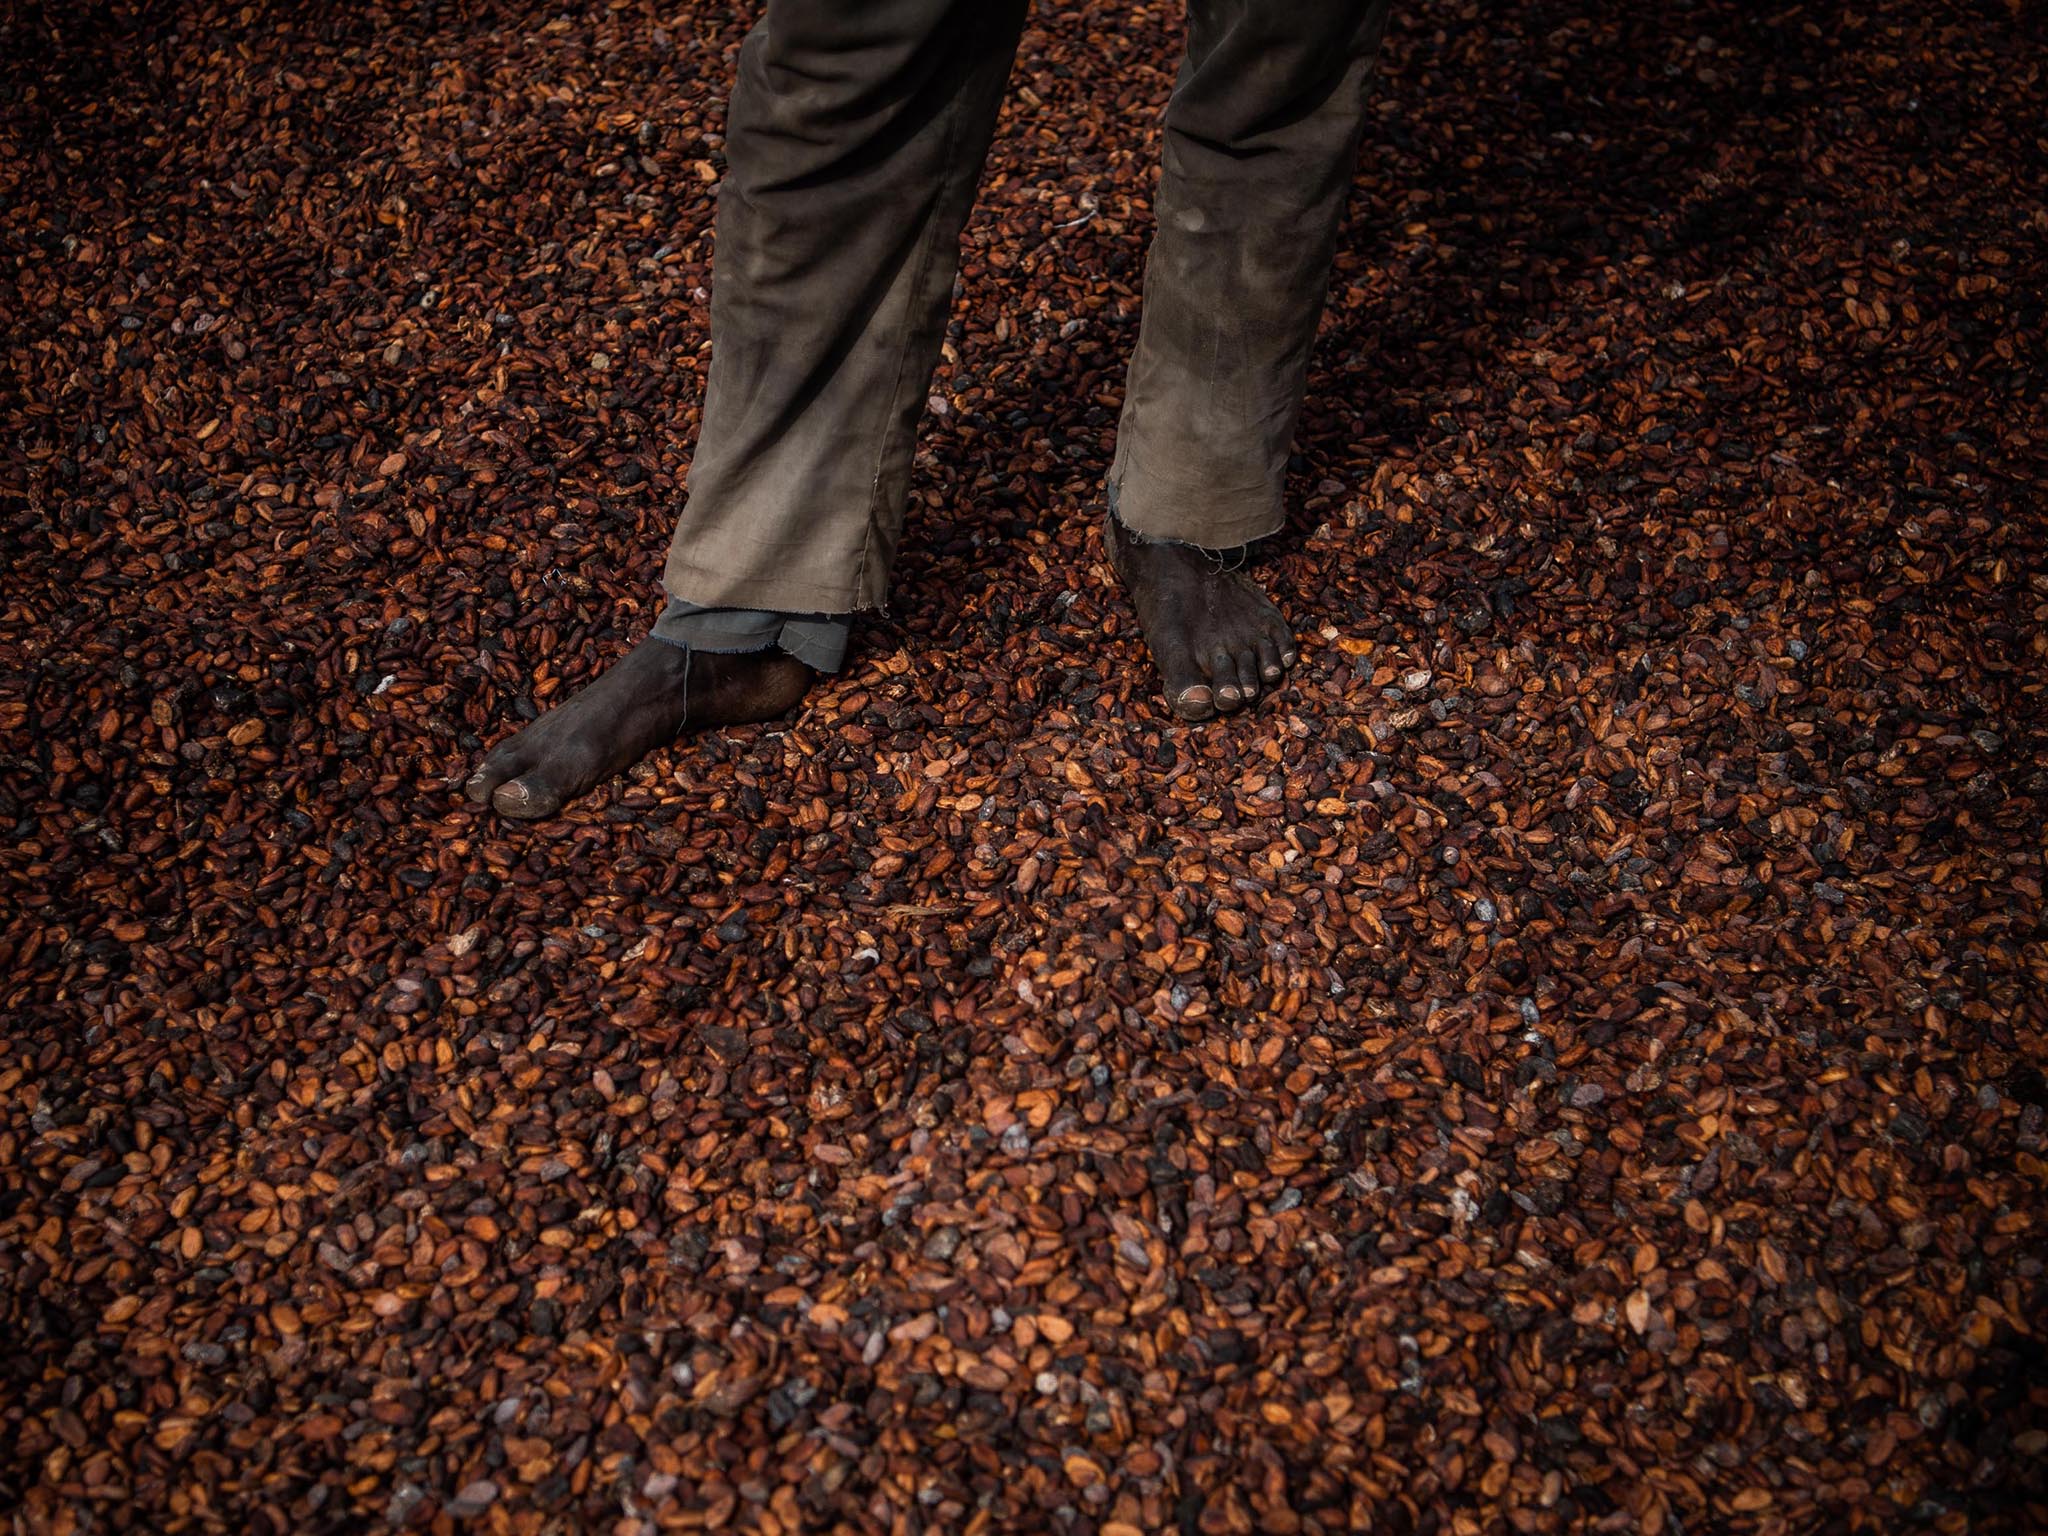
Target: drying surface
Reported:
point(1571, 1060)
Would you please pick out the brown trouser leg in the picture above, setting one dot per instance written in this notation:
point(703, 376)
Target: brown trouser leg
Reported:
point(855, 136)
point(854, 139)
point(1262, 140)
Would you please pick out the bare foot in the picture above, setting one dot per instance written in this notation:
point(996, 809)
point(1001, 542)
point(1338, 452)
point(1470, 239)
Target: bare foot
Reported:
point(1216, 638)
point(639, 704)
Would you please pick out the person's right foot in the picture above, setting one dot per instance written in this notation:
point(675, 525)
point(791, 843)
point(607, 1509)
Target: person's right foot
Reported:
point(642, 702)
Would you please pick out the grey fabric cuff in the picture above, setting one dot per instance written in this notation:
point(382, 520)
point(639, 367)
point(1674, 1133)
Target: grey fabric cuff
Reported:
point(818, 640)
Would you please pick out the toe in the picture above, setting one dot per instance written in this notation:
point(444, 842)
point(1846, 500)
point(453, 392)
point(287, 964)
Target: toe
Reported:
point(1248, 674)
point(1222, 669)
point(493, 771)
point(1283, 642)
point(1187, 691)
point(526, 799)
point(1269, 660)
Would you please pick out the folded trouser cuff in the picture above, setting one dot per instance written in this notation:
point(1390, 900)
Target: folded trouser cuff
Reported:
point(818, 640)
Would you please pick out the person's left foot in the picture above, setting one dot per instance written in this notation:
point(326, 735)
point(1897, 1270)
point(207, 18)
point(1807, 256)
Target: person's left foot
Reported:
point(1218, 640)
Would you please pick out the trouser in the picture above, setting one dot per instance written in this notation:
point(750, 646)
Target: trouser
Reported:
point(854, 139)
